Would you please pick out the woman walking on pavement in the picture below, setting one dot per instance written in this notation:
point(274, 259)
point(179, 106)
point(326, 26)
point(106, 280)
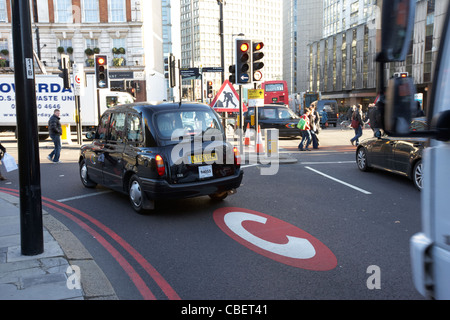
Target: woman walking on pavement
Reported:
point(306, 134)
point(357, 123)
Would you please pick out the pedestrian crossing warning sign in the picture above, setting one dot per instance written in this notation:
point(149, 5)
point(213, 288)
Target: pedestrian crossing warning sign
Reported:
point(227, 99)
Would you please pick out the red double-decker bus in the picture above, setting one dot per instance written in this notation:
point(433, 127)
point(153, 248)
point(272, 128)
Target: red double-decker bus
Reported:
point(275, 91)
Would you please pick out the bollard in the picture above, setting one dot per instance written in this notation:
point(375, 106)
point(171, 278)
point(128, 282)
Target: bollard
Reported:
point(271, 142)
point(66, 135)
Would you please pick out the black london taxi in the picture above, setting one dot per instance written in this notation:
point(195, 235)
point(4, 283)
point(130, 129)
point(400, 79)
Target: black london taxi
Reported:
point(161, 151)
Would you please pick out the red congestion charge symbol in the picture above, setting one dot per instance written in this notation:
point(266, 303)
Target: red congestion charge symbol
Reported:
point(275, 239)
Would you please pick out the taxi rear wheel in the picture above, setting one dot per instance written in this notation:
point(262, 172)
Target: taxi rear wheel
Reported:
point(137, 197)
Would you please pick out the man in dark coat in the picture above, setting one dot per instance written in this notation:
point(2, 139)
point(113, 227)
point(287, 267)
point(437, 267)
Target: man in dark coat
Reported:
point(55, 131)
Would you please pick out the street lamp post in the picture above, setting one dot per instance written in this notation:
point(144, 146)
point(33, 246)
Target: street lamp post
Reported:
point(222, 58)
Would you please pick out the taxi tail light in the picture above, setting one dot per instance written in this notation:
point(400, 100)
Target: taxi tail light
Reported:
point(237, 157)
point(160, 167)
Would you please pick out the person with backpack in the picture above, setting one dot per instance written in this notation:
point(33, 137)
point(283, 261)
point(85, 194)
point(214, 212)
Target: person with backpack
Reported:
point(305, 128)
point(357, 123)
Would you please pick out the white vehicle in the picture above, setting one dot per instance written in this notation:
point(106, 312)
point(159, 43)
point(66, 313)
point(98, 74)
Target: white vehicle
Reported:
point(299, 101)
point(51, 95)
point(430, 248)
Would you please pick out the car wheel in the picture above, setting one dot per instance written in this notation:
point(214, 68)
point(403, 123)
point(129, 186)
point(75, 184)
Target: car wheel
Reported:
point(88, 183)
point(137, 196)
point(418, 175)
point(218, 196)
point(361, 159)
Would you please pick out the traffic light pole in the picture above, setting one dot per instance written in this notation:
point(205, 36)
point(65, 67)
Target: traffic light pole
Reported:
point(31, 226)
point(241, 121)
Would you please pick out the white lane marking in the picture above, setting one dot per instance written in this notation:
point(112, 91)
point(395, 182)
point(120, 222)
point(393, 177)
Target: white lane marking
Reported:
point(251, 165)
point(84, 196)
point(340, 181)
point(329, 162)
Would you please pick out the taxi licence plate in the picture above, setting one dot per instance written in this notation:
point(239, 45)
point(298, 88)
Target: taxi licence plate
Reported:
point(200, 158)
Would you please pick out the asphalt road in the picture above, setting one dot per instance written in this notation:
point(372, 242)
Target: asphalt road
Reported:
point(181, 251)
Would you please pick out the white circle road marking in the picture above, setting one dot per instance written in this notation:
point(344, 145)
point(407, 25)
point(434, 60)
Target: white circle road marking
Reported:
point(275, 239)
point(295, 248)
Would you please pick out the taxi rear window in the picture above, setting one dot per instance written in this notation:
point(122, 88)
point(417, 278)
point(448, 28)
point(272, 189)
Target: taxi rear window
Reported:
point(173, 124)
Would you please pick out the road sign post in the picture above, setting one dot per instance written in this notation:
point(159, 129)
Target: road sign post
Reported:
point(79, 83)
point(256, 99)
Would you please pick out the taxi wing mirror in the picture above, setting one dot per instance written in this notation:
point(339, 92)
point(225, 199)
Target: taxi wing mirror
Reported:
point(396, 29)
point(400, 106)
point(393, 111)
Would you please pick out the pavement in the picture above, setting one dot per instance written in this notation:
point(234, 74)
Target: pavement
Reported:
point(66, 270)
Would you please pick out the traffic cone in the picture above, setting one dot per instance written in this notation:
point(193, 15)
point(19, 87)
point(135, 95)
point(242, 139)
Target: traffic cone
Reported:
point(247, 136)
point(259, 142)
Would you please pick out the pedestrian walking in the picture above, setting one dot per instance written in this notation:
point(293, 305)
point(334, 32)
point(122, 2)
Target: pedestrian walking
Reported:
point(2, 152)
point(315, 126)
point(357, 124)
point(306, 134)
point(55, 131)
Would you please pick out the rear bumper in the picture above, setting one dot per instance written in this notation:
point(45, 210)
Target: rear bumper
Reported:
point(161, 189)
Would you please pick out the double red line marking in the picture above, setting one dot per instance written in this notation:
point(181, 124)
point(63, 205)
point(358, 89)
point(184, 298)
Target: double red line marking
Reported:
point(134, 276)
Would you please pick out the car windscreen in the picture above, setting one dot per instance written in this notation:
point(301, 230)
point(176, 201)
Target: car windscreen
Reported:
point(286, 114)
point(174, 124)
point(327, 107)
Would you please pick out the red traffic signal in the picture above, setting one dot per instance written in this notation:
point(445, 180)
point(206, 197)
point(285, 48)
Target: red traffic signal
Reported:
point(101, 71)
point(244, 47)
point(101, 61)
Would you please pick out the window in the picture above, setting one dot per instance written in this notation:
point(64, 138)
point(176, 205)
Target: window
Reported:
point(90, 11)
point(180, 123)
point(134, 130)
point(119, 51)
point(91, 43)
point(117, 127)
point(268, 113)
point(3, 13)
point(117, 11)
point(65, 43)
point(286, 114)
point(63, 11)
point(103, 127)
point(442, 97)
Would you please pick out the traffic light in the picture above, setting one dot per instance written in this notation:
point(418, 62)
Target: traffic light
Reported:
point(209, 88)
point(243, 61)
point(101, 71)
point(257, 63)
point(170, 68)
point(65, 68)
point(232, 70)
